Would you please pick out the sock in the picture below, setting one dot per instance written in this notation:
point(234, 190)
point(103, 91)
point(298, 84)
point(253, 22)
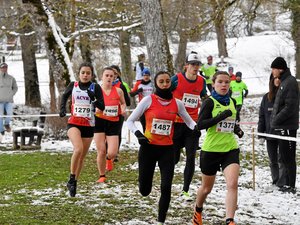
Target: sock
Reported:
point(228, 220)
point(199, 209)
point(72, 177)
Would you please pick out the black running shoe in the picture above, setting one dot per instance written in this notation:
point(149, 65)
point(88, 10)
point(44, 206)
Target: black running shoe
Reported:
point(288, 189)
point(72, 185)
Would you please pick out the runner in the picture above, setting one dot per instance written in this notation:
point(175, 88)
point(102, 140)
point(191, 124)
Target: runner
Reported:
point(190, 88)
point(108, 123)
point(85, 96)
point(220, 149)
point(238, 91)
point(209, 70)
point(156, 144)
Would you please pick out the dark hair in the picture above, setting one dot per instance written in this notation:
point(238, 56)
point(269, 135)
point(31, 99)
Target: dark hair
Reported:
point(272, 89)
point(86, 64)
point(117, 68)
point(160, 73)
point(219, 73)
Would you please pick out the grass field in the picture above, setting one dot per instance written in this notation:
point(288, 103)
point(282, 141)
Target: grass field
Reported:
point(33, 191)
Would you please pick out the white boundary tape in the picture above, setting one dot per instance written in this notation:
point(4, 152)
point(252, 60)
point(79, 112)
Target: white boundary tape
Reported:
point(34, 115)
point(274, 136)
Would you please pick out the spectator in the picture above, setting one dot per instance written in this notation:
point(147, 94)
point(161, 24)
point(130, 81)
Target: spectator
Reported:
point(285, 118)
point(238, 91)
point(209, 70)
point(278, 172)
point(8, 88)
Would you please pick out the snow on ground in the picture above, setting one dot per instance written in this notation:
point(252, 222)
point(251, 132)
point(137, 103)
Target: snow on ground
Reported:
point(263, 205)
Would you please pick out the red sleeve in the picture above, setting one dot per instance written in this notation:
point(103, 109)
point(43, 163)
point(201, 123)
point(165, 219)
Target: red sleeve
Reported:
point(136, 86)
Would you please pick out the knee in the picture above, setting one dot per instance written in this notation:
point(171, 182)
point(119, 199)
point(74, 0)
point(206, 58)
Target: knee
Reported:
point(232, 185)
point(206, 190)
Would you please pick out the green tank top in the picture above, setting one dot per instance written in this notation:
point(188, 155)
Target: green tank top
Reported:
point(220, 137)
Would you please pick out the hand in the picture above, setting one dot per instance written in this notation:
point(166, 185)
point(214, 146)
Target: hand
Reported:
point(141, 138)
point(261, 141)
point(91, 94)
point(140, 90)
point(196, 132)
point(62, 112)
point(238, 131)
point(223, 115)
point(206, 77)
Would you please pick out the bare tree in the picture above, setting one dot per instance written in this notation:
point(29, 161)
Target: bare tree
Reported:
point(156, 38)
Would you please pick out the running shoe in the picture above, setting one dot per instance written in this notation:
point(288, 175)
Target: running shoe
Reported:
point(72, 185)
point(102, 179)
point(109, 165)
point(186, 196)
point(288, 189)
point(197, 219)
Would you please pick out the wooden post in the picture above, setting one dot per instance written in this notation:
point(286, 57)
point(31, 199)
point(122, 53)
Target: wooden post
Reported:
point(253, 159)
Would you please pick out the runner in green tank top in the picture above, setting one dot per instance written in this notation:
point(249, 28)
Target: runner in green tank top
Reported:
point(220, 149)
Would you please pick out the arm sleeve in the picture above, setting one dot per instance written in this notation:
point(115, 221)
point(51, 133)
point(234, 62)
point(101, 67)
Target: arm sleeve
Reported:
point(261, 126)
point(66, 95)
point(205, 119)
point(184, 115)
point(174, 82)
point(99, 96)
point(138, 112)
point(14, 86)
point(126, 96)
point(203, 93)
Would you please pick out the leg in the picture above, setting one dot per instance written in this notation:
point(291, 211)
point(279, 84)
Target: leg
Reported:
point(191, 145)
point(147, 162)
point(272, 148)
point(9, 112)
point(204, 189)
point(74, 135)
point(100, 141)
point(238, 112)
point(231, 173)
point(86, 142)
point(166, 166)
point(1, 118)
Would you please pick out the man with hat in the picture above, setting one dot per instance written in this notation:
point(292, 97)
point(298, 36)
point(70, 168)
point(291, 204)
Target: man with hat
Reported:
point(238, 91)
point(285, 118)
point(189, 87)
point(8, 88)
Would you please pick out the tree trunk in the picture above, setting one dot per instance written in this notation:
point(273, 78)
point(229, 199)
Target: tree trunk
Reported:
point(181, 54)
point(296, 37)
point(31, 79)
point(218, 6)
point(52, 91)
point(124, 44)
point(85, 48)
point(158, 50)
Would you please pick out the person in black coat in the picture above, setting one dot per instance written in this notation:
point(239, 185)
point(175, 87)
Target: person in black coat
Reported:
point(278, 172)
point(285, 118)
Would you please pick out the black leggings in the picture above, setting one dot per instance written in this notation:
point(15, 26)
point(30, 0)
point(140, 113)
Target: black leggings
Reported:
point(148, 156)
point(183, 137)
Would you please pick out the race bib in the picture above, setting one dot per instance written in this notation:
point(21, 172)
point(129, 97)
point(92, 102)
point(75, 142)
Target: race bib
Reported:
point(162, 127)
point(236, 94)
point(82, 110)
point(111, 110)
point(190, 100)
point(226, 126)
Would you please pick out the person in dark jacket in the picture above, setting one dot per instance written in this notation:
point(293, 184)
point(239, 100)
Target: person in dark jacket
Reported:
point(285, 118)
point(278, 172)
